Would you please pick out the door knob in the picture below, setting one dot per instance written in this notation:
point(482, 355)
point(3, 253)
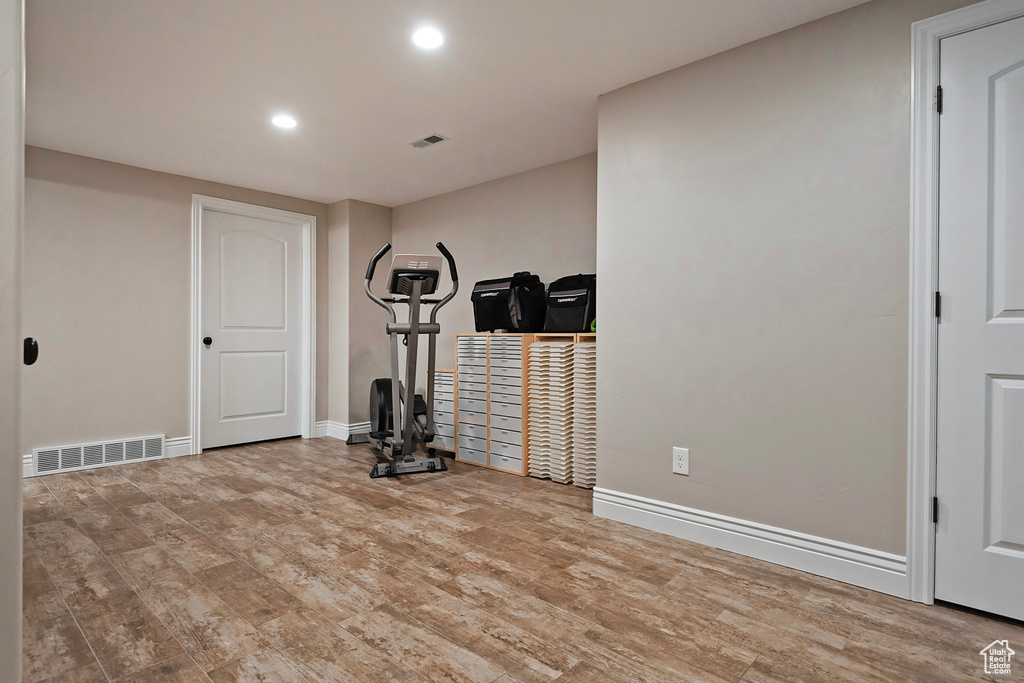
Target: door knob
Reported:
point(31, 351)
point(207, 340)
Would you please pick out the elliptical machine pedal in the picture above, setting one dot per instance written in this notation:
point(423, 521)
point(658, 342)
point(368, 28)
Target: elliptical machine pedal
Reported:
point(395, 408)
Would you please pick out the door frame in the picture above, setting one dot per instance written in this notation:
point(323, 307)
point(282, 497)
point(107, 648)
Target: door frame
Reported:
point(308, 361)
point(924, 264)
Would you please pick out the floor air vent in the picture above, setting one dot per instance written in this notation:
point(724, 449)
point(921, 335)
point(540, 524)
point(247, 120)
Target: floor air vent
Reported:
point(88, 455)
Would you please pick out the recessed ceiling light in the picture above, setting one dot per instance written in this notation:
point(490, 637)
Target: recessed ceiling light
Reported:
point(284, 121)
point(427, 37)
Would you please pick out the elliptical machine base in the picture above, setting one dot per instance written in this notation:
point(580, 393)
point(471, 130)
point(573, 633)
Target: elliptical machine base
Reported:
point(382, 431)
point(408, 465)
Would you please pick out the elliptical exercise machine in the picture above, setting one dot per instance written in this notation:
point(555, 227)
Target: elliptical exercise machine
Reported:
point(396, 411)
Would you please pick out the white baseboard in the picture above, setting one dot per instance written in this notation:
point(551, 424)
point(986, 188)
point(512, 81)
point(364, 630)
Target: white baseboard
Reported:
point(358, 428)
point(865, 567)
point(27, 466)
point(340, 430)
point(174, 448)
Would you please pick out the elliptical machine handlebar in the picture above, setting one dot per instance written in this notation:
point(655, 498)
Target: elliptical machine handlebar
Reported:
point(451, 260)
point(369, 276)
point(455, 281)
point(377, 257)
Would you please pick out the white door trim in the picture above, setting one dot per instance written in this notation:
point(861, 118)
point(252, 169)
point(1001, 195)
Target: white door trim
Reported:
point(924, 244)
point(308, 225)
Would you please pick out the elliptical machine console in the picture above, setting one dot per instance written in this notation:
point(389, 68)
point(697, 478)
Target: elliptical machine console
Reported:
point(394, 426)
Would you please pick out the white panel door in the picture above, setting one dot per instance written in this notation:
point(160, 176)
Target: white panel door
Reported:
point(980, 437)
point(252, 313)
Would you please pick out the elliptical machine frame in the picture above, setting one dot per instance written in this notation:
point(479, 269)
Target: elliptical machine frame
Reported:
point(409, 280)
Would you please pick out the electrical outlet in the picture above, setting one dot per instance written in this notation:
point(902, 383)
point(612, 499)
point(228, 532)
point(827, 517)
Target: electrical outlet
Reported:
point(681, 460)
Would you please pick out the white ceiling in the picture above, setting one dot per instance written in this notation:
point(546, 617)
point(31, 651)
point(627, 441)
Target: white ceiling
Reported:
point(189, 86)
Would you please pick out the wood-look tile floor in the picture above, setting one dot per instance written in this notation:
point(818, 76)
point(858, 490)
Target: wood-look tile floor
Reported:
point(284, 562)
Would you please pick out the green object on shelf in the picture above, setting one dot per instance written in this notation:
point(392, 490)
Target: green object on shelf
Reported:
point(593, 325)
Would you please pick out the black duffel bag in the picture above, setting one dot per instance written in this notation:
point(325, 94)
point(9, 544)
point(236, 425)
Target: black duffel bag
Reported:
point(572, 304)
point(515, 304)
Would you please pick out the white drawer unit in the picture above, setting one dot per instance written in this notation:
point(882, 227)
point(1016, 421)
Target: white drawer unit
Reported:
point(506, 436)
point(511, 424)
point(499, 395)
point(503, 462)
point(466, 417)
point(514, 344)
point(472, 442)
point(490, 403)
point(475, 430)
point(470, 455)
point(444, 410)
point(472, 373)
point(477, 340)
point(472, 348)
point(515, 381)
point(509, 450)
point(506, 409)
point(472, 405)
point(505, 387)
point(478, 395)
point(507, 353)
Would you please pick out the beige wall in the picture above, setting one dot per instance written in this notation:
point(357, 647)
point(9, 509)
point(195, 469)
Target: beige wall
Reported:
point(337, 259)
point(358, 343)
point(11, 183)
point(753, 230)
point(368, 354)
point(542, 221)
point(106, 292)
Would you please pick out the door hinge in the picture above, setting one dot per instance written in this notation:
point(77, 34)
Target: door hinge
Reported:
point(938, 305)
point(938, 99)
point(935, 510)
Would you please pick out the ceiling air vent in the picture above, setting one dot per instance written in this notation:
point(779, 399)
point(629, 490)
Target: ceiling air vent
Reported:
point(428, 141)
